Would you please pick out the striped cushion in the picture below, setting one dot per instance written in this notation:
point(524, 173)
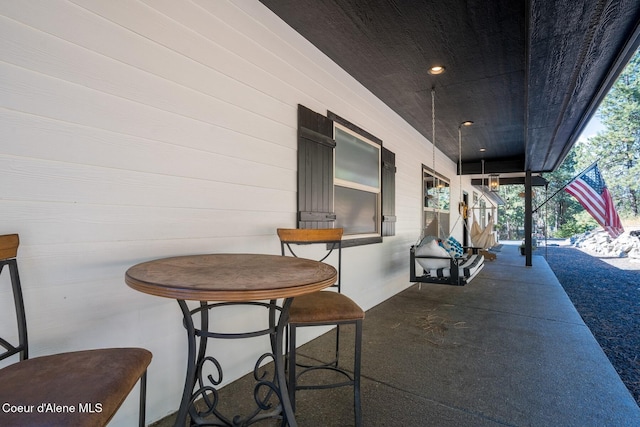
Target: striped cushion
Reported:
point(466, 269)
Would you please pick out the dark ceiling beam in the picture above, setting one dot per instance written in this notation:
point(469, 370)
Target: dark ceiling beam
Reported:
point(499, 165)
point(536, 181)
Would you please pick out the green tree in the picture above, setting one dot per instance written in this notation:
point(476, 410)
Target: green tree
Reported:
point(561, 209)
point(511, 214)
point(617, 148)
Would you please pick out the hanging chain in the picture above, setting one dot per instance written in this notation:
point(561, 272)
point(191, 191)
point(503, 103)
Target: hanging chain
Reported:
point(460, 160)
point(433, 128)
point(436, 191)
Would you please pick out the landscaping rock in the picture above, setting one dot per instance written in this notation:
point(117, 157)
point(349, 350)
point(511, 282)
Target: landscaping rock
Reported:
point(600, 243)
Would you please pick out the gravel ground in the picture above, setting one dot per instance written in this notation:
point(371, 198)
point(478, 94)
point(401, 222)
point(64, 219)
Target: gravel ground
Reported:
point(606, 293)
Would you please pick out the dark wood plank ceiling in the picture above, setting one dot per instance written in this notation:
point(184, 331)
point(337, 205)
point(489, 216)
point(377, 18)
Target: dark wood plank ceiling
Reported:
point(528, 73)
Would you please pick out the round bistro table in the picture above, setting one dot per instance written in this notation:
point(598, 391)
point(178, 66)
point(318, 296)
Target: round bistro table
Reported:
point(218, 280)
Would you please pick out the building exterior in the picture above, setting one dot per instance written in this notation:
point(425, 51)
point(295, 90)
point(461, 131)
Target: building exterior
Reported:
point(138, 130)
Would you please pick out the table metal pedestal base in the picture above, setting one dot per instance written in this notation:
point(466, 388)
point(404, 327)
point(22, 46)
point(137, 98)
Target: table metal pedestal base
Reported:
point(200, 395)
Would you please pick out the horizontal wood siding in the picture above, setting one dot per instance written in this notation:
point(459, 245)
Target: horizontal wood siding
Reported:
point(139, 129)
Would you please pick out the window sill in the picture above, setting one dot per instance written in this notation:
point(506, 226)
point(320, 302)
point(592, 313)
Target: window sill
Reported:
point(346, 243)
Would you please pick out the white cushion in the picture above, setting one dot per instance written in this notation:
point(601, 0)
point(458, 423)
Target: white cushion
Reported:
point(432, 249)
point(426, 239)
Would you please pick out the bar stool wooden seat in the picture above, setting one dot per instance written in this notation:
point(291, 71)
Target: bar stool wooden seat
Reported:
point(81, 388)
point(327, 307)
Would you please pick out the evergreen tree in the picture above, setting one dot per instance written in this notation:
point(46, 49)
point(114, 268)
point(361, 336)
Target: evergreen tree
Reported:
point(617, 148)
point(511, 214)
point(562, 208)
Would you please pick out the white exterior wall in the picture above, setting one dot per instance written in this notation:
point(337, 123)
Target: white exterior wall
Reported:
point(139, 129)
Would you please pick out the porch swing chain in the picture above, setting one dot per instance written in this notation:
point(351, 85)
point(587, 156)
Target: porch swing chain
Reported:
point(460, 162)
point(433, 161)
point(433, 153)
point(433, 128)
point(482, 192)
point(433, 142)
point(460, 211)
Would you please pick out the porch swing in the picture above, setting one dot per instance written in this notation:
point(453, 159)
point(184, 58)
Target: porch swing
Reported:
point(443, 262)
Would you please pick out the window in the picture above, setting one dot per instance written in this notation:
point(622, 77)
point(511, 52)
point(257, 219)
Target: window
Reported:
point(357, 183)
point(435, 189)
point(346, 178)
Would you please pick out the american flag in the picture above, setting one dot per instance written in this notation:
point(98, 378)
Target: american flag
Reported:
point(591, 191)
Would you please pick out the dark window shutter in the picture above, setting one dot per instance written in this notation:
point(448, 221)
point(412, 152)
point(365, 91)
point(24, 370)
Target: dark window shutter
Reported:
point(388, 193)
point(315, 170)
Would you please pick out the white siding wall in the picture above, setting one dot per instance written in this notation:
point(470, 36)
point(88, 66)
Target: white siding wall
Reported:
point(138, 129)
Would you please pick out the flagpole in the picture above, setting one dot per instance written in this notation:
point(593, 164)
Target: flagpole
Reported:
point(564, 186)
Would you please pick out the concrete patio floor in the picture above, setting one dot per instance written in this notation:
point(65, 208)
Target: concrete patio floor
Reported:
point(507, 349)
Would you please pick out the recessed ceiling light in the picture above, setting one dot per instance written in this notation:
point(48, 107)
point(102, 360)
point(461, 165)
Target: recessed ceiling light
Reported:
point(482, 150)
point(436, 69)
point(467, 123)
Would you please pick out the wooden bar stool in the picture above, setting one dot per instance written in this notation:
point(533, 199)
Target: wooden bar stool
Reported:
point(81, 388)
point(322, 308)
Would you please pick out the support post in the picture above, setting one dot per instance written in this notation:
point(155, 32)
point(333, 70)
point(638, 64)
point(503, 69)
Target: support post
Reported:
point(528, 218)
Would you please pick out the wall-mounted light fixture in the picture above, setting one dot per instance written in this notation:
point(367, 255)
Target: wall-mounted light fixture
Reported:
point(494, 182)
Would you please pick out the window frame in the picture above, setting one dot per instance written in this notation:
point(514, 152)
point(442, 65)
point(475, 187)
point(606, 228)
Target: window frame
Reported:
point(439, 209)
point(352, 185)
point(363, 239)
